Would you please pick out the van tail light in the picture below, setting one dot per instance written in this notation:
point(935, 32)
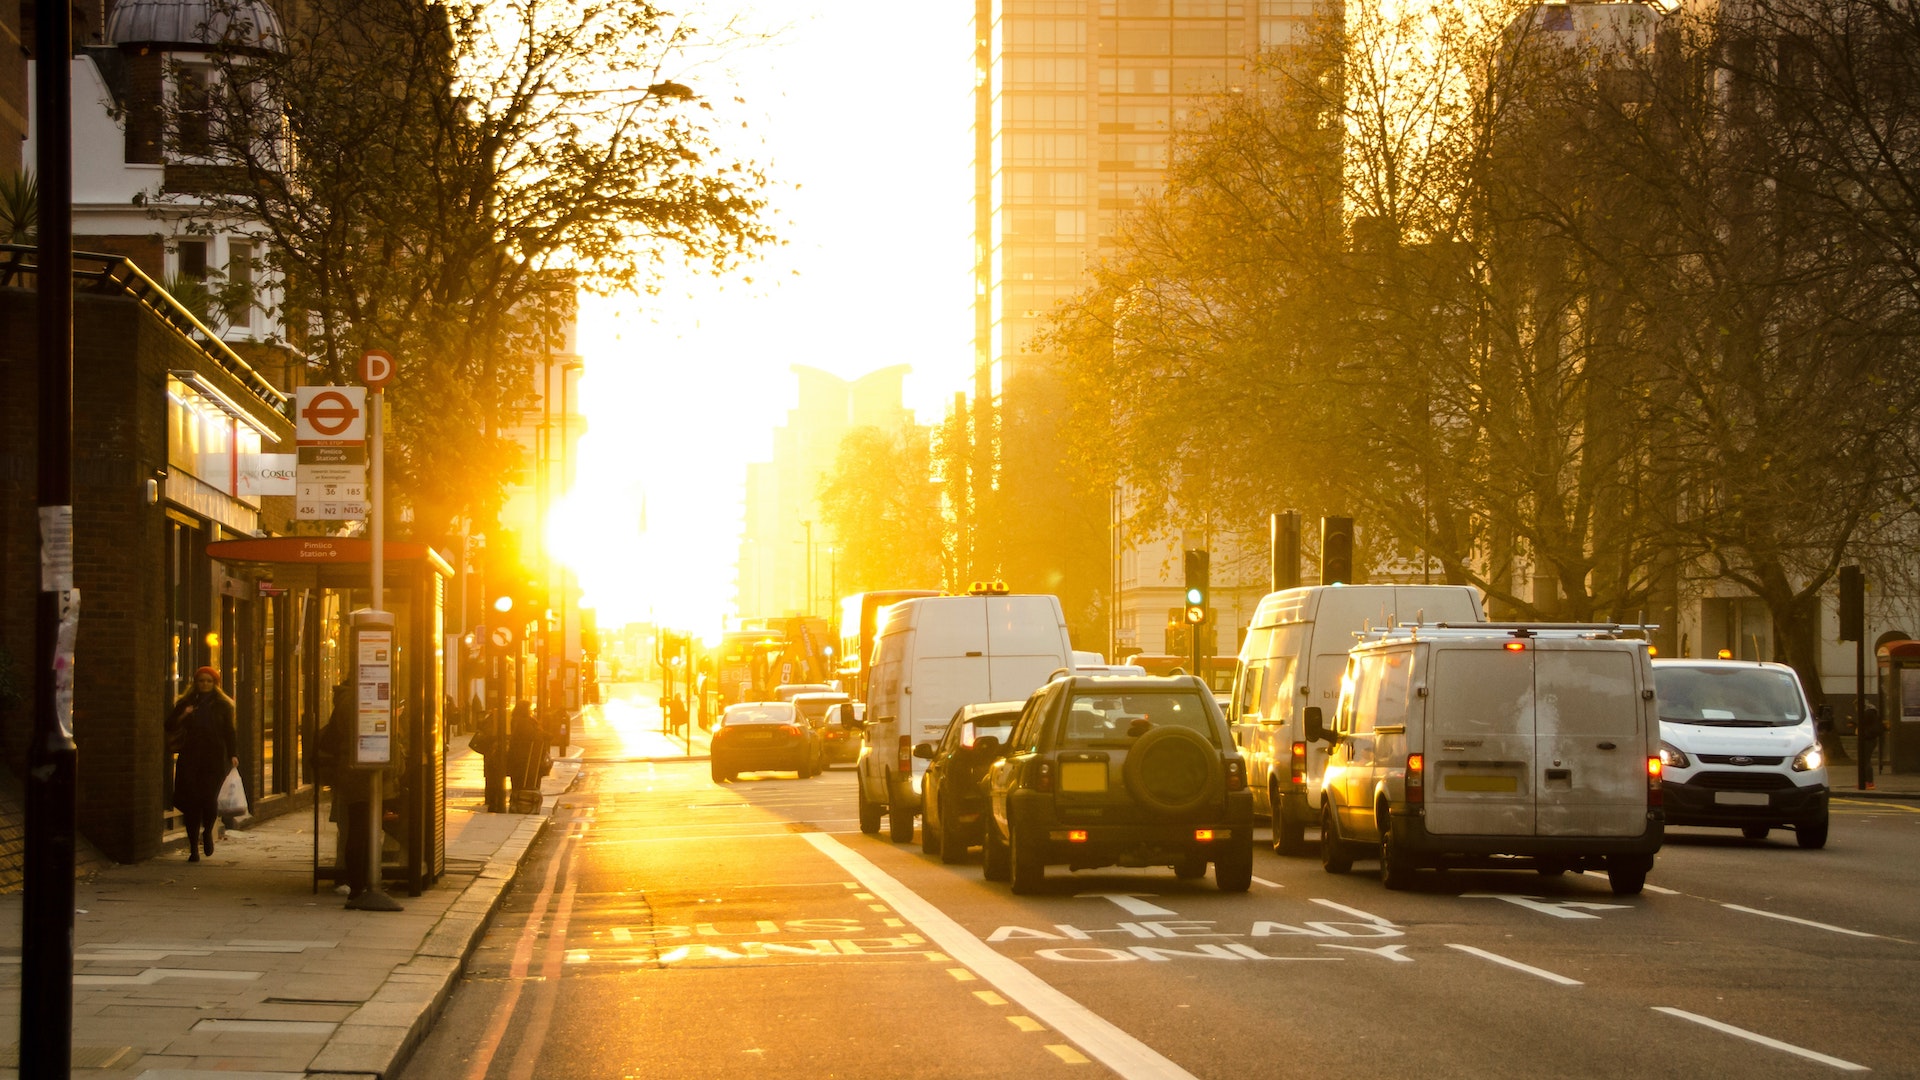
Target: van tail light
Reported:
point(1416, 779)
point(1043, 776)
point(1236, 774)
point(1298, 766)
point(905, 764)
point(1654, 773)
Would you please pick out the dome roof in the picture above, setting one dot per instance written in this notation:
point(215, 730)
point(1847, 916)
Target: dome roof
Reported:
point(191, 23)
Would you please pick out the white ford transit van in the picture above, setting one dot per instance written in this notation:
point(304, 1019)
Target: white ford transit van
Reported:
point(1479, 747)
point(933, 655)
point(1294, 654)
point(1740, 751)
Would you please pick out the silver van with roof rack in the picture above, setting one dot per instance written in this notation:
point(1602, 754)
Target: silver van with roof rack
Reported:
point(1495, 745)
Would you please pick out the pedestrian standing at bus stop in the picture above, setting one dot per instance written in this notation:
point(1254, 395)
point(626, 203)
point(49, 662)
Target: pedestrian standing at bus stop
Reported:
point(1869, 729)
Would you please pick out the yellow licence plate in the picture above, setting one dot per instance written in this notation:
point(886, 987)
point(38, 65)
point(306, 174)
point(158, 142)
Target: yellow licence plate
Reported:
point(1482, 783)
point(1083, 776)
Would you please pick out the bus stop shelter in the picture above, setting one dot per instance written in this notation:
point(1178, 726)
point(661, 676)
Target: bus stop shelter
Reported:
point(333, 576)
point(1900, 703)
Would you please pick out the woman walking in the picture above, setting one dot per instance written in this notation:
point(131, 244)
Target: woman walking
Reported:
point(200, 731)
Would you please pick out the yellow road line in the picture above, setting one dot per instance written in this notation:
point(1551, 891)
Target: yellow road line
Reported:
point(990, 997)
point(1025, 1023)
point(1067, 1054)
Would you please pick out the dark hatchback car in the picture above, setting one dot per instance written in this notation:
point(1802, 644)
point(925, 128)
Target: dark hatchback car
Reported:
point(1120, 771)
point(839, 744)
point(953, 792)
point(763, 736)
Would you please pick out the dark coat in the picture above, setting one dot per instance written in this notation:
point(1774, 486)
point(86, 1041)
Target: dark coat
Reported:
point(200, 730)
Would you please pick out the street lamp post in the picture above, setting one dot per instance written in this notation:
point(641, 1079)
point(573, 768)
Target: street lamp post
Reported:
point(807, 607)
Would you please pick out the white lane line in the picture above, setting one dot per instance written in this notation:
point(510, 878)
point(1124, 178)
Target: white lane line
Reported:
point(1516, 965)
point(1107, 1044)
point(1354, 911)
point(1752, 1036)
point(1131, 903)
point(1802, 922)
point(1661, 891)
point(1268, 884)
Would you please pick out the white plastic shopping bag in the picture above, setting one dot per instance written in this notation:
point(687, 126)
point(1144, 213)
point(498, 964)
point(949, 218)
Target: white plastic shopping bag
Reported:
point(233, 796)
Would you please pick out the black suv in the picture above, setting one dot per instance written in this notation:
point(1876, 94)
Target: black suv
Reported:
point(1120, 771)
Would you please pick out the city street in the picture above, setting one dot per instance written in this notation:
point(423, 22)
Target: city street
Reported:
point(668, 926)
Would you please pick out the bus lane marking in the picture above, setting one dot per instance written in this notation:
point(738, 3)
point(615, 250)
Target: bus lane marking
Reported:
point(1802, 922)
point(1131, 903)
point(1559, 909)
point(1756, 1037)
point(1102, 1040)
point(1516, 965)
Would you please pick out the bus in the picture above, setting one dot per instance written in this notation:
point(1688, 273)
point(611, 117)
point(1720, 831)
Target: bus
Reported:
point(859, 618)
point(741, 664)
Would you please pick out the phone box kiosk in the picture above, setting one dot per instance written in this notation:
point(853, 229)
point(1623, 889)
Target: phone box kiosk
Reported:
point(326, 578)
point(1900, 703)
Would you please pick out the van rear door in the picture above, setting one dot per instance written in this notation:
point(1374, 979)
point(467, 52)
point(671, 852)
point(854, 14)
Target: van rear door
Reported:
point(1480, 740)
point(1592, 740)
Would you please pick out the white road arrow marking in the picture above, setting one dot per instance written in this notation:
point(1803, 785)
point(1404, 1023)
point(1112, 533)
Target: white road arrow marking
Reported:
point(1131, 903)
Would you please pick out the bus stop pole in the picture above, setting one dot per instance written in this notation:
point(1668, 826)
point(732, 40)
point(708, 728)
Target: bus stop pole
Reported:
point(374, 897)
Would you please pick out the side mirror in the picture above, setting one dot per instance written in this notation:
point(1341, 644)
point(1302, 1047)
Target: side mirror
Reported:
point(923, 751)
point(1316, 731)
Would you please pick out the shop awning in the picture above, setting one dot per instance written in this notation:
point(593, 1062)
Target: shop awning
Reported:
point(322, 551)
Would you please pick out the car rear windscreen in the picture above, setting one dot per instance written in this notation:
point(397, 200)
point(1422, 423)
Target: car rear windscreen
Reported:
point(1117, 719)
point(758, 714)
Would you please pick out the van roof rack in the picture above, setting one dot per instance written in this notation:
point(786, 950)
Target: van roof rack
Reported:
point(1509, 629)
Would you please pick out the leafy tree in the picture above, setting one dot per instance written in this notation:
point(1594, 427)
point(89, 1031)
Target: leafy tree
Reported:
point(883, 509)
point(439, 179)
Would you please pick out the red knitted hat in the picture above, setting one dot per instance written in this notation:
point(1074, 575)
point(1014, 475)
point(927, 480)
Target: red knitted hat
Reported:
point(210, 671)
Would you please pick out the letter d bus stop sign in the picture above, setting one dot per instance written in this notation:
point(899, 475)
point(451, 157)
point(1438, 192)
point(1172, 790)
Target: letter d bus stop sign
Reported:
point(376, 367)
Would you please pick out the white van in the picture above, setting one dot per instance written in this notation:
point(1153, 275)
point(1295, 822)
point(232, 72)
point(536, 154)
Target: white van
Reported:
point(1740, 750)
point(1507, 745)
point(933, 655)
point(1294, 654)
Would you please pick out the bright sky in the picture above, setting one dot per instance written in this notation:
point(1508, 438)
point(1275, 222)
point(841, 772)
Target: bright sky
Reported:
point(859, 109)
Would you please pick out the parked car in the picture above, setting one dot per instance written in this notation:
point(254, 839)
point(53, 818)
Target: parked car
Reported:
point(1738, 742)
point(935, 654)
point(1128, 772)
point(1531, 747)
point(789, 691)
point(820, 709)
point(953, 789)
point(763, 736)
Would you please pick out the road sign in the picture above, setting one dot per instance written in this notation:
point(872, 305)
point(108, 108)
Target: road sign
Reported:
point(330, 414)
point(376, 367)
point(330, 471)
point(503, 637)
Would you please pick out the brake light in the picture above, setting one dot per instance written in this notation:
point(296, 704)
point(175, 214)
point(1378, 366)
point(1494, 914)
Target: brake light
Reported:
point(1299, 764)
point(1203, 834)
point(1077, 836)
point(790, 730)
point(905, 763)
point(1416, 779)
point(1236, 775)
point(1515, 646)
point(1043, 776)
point(1654, 772)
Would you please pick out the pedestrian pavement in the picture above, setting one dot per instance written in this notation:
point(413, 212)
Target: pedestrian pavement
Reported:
point(233, 967)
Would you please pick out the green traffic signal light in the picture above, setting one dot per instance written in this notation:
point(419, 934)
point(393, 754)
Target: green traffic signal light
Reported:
point(1195, 596)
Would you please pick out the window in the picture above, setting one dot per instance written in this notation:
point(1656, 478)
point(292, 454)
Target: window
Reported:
point(192, 109)
point(237, 297)
point(193, 259)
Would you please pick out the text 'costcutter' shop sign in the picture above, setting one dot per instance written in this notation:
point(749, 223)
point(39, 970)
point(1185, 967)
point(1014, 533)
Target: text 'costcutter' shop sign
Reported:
point(330, 475)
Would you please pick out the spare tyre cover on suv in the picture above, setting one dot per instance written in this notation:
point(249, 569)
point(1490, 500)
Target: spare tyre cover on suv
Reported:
point(1174, 770)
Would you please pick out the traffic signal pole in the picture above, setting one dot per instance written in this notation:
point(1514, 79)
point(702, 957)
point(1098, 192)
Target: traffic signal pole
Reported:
point(46, 949)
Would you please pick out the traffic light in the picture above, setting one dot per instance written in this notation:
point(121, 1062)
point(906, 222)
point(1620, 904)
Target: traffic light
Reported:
point(1336, 550)
point(1853, 604)
point(1198, 601)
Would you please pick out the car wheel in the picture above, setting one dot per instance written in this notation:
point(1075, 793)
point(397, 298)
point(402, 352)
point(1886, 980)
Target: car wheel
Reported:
point(899, 822)
point(869, 810)
point(1755, 832)
point(951, 850)
point(1812, 835)
point(1333, 854)
point(1029, 864)
point(1233, 869)
point(1191, 868)
point(1396, 862)
point(932, 839)
point(720, 775)
point(1627, 874)
point(995, 863)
